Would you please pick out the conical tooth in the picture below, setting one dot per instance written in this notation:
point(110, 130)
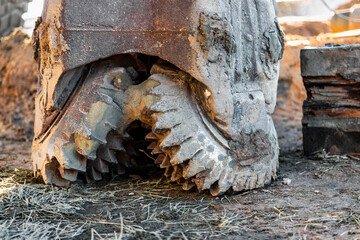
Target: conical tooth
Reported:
point(195, 166)
point(101, 165)
point(92, 172)
point(160, 159)
point(100, 114)
point(168, 171)
point(188, 150)
point(163, 68)
point(157, 150)
point(117, 170)
point(86, 147)
point(132, 150)
point(114, 142)
point(151, 137)
point(67, 174)
point(51, 174)
point(215, 190)
point(168, 121)
point(88, 178)
point(105, 97)
point(126, 136)
point(168, 86)
point(165, 163)
point(224, 183)
point(124, 159)
point(179, 135)
point(168, 103)
point(188, 185)
point(177, 173)
point(200, 178)
point(70, 158)
point(106, 154)
point(152, 145)
point(213, 176)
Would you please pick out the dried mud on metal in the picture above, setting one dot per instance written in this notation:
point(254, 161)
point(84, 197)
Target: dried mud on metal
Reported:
point(312, 198)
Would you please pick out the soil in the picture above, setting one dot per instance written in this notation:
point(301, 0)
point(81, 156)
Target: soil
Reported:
point(304, 26)
point(18, 83)
point(349, 4)
point(315, 197)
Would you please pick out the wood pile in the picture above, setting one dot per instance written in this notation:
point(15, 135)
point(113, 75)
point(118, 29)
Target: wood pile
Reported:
point(331, 120)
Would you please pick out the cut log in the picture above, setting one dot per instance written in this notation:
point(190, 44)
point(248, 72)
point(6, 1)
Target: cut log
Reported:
point(331, 118)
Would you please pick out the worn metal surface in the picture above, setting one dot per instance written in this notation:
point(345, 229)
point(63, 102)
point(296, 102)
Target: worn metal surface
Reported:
point(228, 49)
point(211, 40)
point(332, 109)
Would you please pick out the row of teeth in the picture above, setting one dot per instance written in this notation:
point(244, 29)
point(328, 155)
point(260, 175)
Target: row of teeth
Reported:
point(175, 173)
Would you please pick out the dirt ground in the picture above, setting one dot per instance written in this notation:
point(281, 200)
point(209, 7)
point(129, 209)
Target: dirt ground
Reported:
point(314, 197)
point(311, 199)
point(18, 81)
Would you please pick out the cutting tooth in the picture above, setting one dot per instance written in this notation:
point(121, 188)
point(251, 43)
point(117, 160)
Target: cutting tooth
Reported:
point(160, 159)
point(199, 179)
point(132, 150)
point(69, 158)
point(51, 173)
point(68, 174)
point(188, 150)
point(168, 86)
point(118, 170)
point(163, 68)
point(101, 165)
point(124, 159)
point(157, 150)
point(194, 166)
point(115, 143)
point(165, 163)
point(168, 171)
point(98, 120)
point(106, 154)
point(92, 172)
point(86, 147)
point(167, 103)
point(105, 97)
point(187, 185)
point(225, 182)
point(215, 190)
point(126, 136)
point(152, 145)
point(177, 173)
point(168, 121)
point(151, 137)
point(213, 176)
point(178, 135)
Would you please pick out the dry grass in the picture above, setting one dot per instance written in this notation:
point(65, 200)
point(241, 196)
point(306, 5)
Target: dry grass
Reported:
point(320, 202)
point(144, 210)
point(35, 211)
